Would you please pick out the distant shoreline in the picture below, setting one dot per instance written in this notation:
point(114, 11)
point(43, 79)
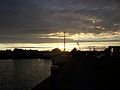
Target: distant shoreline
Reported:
point(35, 54)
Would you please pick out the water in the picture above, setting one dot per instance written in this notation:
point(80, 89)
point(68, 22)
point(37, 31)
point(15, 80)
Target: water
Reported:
point(23, 74)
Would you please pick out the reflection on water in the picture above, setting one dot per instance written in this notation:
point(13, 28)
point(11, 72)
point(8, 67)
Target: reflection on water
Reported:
point(23, 74)
point(6, 73)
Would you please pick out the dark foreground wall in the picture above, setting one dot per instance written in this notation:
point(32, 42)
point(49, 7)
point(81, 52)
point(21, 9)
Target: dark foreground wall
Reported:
point(82, 74)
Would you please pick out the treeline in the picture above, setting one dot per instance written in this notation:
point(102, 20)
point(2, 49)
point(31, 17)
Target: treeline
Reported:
point(24, 54)
point(35, 54)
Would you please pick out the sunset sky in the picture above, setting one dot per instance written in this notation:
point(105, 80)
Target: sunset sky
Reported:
point(44, 21)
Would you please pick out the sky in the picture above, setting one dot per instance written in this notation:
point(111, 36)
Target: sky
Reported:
point(44, 21)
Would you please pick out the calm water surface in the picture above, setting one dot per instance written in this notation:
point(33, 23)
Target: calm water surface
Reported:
point(23, 74)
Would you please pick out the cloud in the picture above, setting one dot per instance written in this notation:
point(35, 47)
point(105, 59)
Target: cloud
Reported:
point(73, 37)
point(29, 17)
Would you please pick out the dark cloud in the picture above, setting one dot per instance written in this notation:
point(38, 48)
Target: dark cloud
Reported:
point(18, 17)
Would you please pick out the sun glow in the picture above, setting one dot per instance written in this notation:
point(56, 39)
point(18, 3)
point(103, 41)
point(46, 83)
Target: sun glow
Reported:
point(50, 46)
point(37, 46)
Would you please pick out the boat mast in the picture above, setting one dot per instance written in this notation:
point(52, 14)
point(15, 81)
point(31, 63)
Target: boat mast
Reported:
point(64, 41)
